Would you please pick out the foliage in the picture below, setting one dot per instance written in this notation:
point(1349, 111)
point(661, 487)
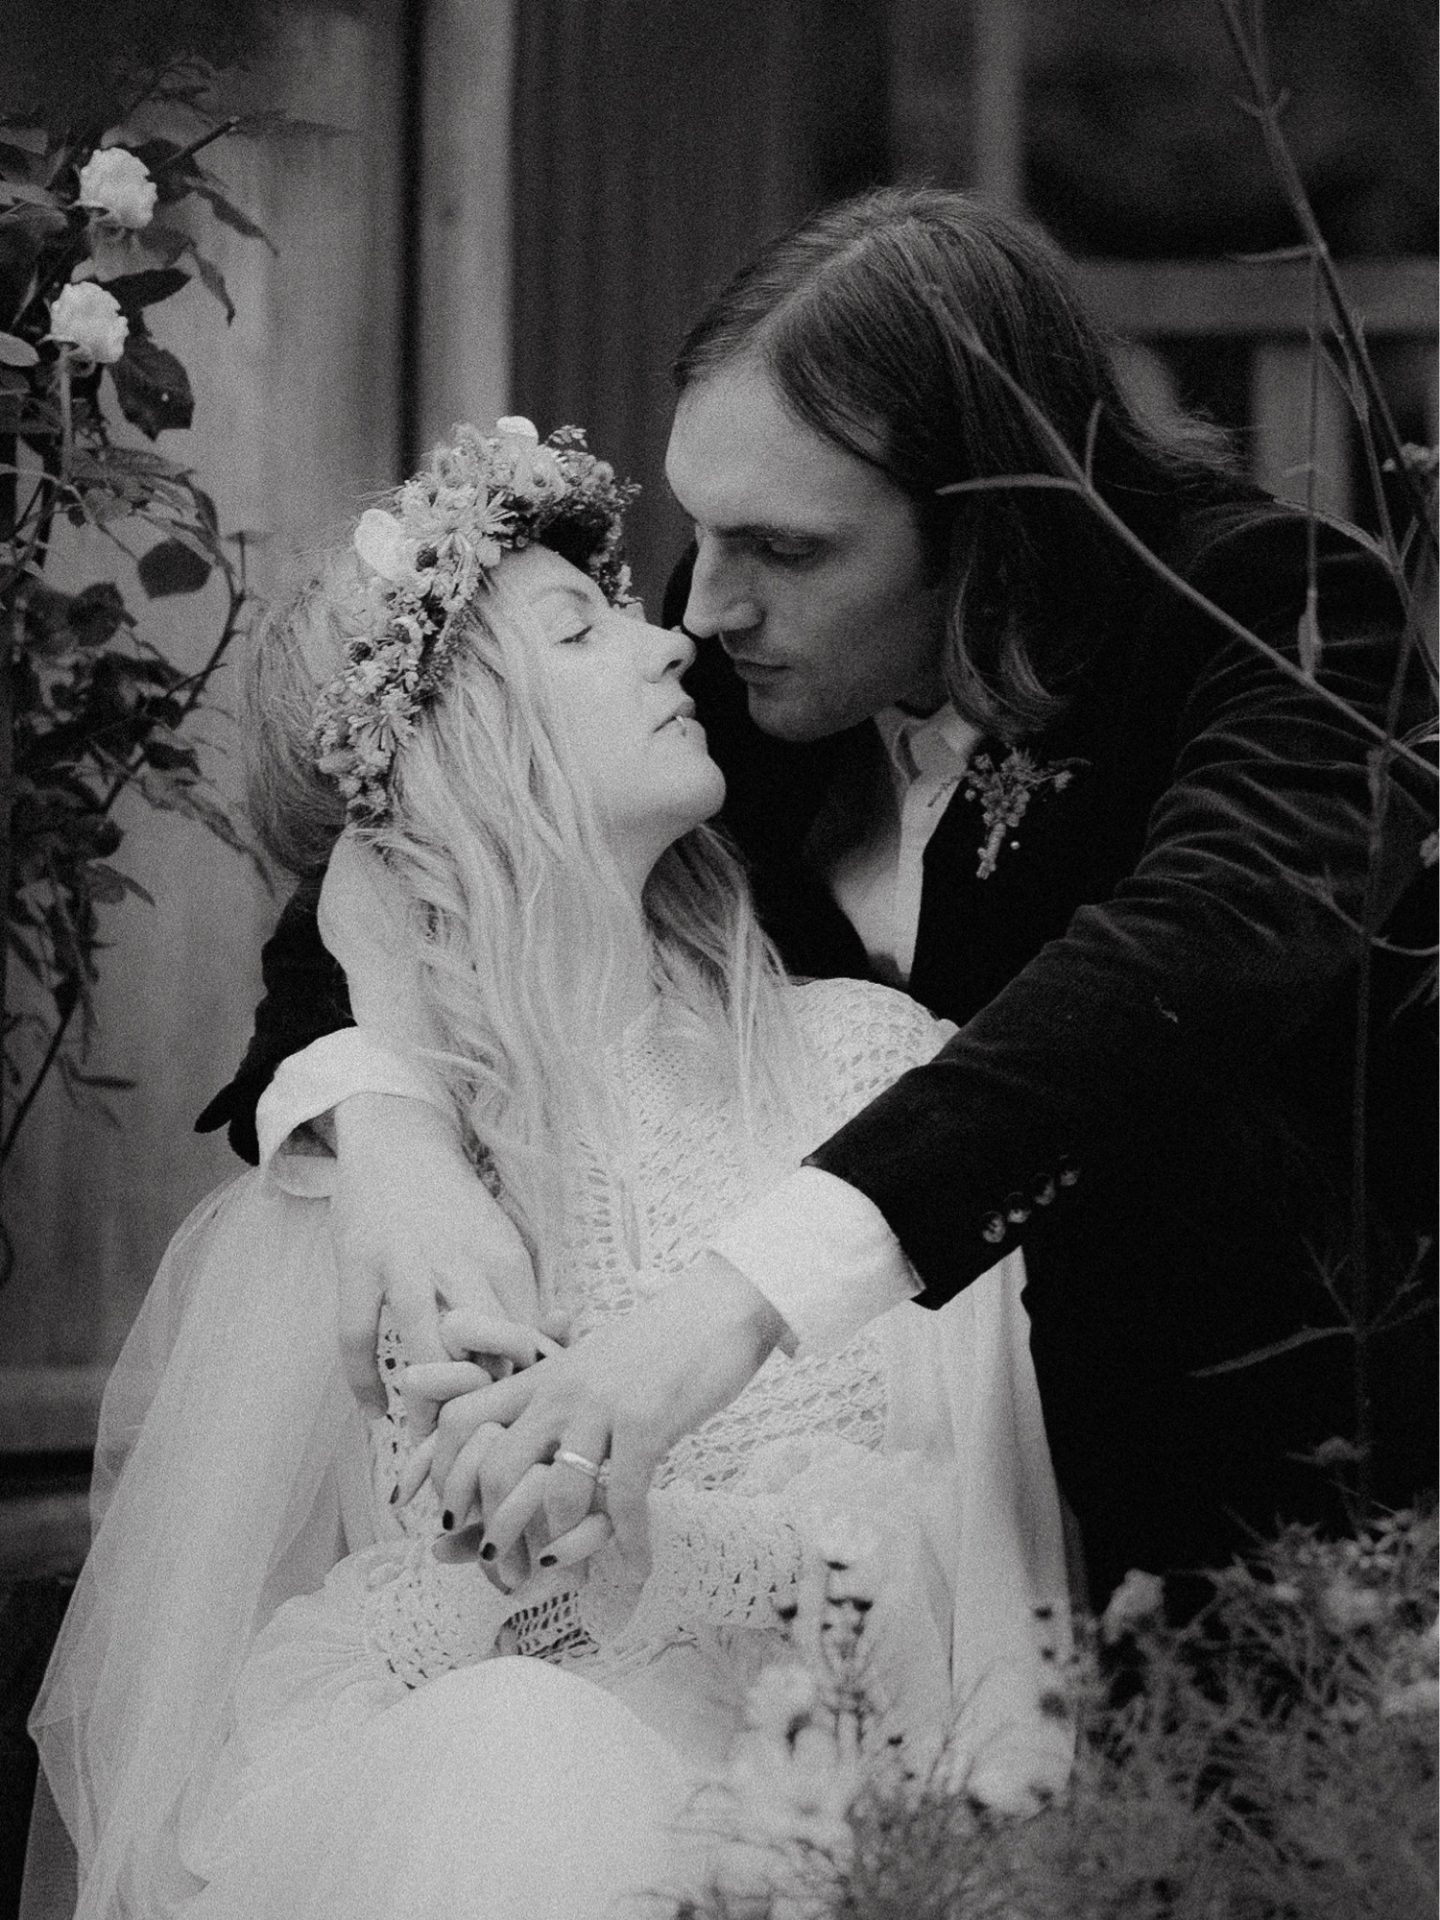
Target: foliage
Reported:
point(1271, 1757)
point(70, 68)
point(94, 197)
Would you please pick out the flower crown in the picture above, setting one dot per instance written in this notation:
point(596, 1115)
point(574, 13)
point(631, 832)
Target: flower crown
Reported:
point(424, 559)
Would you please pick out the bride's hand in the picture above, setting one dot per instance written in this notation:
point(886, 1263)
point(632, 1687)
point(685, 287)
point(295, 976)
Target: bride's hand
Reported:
point(481, 1349)
point(413, 1226)
point(623, 1396)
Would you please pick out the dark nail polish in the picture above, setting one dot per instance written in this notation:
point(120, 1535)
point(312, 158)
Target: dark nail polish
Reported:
point(447, 1520)
point(547, 1560)
point(487, 1552)
point(394, 1495)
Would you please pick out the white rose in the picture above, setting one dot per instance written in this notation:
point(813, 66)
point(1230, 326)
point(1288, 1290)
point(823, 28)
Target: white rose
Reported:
point(514, 426)
point(118, 183)
point(89, 319)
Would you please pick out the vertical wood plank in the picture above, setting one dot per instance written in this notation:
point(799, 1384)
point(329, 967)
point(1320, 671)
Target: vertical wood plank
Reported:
point(654, 149)
point(1280, 413)
point(464, 295)
point(997, 102)
point(296, 420)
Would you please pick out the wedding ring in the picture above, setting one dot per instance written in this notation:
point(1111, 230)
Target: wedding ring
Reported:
point(565, 1458)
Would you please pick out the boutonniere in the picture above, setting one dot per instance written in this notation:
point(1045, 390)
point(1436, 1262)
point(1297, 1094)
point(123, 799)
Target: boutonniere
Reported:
point(1005, 792)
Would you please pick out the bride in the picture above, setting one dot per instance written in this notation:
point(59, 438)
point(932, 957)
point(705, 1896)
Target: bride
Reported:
point(280, 1691)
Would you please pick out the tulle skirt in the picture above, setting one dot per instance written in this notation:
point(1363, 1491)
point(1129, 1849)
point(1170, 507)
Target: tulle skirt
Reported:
point(509, 1790)
point(223, 1743)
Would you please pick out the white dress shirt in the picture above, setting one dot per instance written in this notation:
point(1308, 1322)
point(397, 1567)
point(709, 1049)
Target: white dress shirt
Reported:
point(877, 883)
point(816, 1247)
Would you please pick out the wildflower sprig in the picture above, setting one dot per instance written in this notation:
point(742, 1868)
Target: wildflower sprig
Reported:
point(427, 555)
point(1272, 1751)
point(1005, 792)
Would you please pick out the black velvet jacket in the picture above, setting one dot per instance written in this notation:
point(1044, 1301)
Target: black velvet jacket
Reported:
point(1151, 1087)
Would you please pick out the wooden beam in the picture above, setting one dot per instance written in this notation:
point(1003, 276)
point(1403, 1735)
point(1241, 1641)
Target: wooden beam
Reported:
point(1188, 299)
point(1280, 382)
point(49, 1409)
point(463, 199)
point(997, 102)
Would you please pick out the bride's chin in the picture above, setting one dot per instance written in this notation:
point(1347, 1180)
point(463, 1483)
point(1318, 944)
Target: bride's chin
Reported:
point(714, 785)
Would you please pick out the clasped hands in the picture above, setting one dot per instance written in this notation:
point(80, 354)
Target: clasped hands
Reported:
point(554, 1514)
point(515, 1422)
point(490, 1387)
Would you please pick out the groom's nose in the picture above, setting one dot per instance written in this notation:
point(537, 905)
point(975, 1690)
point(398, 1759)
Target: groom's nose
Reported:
point(719, 598)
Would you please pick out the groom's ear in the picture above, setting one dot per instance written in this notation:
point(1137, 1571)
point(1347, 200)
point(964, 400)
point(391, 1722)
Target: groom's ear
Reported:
point(677, 589)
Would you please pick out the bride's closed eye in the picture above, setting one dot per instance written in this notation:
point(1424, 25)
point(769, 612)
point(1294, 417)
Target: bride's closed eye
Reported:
point(574, 635)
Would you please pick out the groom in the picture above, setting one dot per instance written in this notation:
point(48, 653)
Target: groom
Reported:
point(978, 747)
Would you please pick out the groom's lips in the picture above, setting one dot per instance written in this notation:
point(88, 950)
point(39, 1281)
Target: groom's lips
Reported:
point(756, 670)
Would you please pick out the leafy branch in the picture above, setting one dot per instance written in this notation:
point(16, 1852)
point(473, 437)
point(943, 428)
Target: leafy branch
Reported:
point(91, 708)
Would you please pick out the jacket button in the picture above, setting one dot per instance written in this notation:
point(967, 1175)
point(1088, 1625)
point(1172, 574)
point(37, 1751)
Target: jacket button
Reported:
point(1067, 1172)
point(1042, 1190)
point(992, 1228)
point(1016, 1209)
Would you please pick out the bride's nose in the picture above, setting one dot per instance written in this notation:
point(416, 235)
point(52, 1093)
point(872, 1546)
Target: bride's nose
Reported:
point(665, 650)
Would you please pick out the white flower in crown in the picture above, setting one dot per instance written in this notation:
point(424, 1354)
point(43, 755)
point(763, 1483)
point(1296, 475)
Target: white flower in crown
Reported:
point(535, 471)
point(385, 547)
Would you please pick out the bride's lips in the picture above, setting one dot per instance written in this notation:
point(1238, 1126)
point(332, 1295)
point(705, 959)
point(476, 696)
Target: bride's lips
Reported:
point(685, 711)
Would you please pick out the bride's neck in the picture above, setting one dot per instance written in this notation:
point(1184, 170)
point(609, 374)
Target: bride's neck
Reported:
point(630, 997)
point(611, 991)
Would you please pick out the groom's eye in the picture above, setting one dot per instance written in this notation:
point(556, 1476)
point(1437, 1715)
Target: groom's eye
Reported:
point(787, 552)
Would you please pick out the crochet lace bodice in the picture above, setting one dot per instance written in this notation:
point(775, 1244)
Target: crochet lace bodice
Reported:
point(729, 1499)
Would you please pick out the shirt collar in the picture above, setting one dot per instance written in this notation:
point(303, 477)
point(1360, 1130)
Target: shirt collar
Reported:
point(935, 745)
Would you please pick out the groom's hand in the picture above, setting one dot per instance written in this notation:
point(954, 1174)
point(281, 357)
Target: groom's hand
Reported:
point(413, 1226)
point(623, 1396)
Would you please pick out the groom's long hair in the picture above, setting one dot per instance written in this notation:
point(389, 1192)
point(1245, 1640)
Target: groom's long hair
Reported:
point(867, 317)
point(519, 919)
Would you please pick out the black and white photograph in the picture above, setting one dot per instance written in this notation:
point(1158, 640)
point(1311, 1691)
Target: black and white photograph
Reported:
point(719, 1116)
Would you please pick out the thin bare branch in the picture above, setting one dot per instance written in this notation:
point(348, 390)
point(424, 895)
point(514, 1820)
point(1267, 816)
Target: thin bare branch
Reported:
point(1074, 480)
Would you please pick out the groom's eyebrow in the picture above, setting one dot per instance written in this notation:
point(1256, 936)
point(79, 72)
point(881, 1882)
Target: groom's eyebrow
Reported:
point(766, 530)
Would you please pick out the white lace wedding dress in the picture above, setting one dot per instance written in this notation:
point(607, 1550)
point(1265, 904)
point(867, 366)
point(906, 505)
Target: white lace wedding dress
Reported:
point(232, 1731)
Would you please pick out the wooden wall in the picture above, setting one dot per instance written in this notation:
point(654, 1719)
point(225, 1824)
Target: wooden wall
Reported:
point(655, 146)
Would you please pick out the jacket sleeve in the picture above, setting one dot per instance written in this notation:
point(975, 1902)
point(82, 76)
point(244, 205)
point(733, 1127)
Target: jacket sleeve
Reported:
point(1234, 929)
point(305, 998)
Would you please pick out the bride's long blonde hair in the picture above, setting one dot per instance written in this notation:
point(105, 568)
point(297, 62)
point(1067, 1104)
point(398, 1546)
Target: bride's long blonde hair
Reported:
point(521, 921)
